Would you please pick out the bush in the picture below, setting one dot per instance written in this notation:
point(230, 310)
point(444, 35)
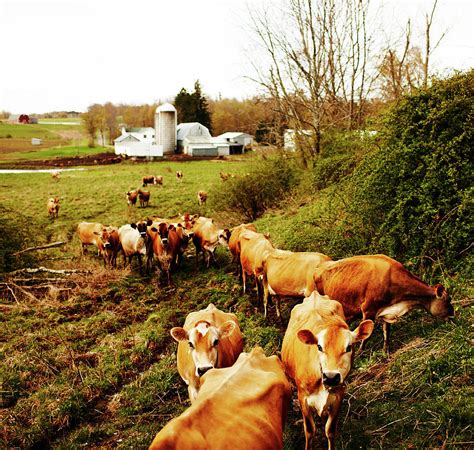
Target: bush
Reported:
point(414, 193)
point(250, 195)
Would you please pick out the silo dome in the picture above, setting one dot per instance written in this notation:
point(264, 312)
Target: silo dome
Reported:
point(166, 107)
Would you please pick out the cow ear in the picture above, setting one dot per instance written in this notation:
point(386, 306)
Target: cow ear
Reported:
point(133, 225)
point(95, 232)
point(179, 334)
point(149, 222)
point(227, 328)
point(154, 229)
point(307, 337)
point(171, 227)
point(363, 331)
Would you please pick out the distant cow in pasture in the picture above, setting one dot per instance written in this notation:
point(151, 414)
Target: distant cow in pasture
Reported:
point(209, 338)
point(378, 287)
point(150, 179)
point(202, 197)
point(207, 237)
point(240, 407)
point(55, 174)
point(52, 207)
point(132, 197)
point(144, 197)
point(133, 239)
point(179, 175)
point(317, 352)
point(287, 274)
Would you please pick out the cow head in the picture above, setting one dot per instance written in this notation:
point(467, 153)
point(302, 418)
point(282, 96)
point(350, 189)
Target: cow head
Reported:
point(335, 349)
point(441, 305)
point(203, 340)
point(104, 237)
point(141, 227)
point(224, 236)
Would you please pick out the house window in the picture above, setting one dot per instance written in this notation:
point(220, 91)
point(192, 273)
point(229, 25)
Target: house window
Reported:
point(144, 136)
point(153, 136)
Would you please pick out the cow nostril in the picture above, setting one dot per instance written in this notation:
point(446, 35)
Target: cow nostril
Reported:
point(202, 370)
point(332, 379)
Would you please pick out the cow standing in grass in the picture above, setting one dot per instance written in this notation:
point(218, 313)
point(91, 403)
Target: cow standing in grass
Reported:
point(53, 207)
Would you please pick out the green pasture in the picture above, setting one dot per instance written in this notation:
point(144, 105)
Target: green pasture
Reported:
point(35, 153)
point(95, 366)
point(20, 131)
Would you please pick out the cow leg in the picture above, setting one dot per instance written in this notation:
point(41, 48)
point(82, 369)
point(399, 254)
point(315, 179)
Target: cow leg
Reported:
point(276, 299)
point(140, 268)
point(386, 338)
point(331, 423)
point(244, 279)
point(308, 422)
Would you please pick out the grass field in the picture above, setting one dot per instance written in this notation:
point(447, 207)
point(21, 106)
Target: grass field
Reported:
point(90, 362)
point(38, 153)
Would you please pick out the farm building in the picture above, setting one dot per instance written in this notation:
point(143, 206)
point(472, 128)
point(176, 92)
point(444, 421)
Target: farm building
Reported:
point(192, 129)
point(232, 143)
point(165, 127)
point(137, 142)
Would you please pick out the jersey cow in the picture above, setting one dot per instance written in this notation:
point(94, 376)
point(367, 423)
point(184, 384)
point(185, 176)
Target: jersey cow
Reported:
point(133, 239)
point(91, 233)
point(209, 338)
point(149, 179)
point(53, 207)
point(252, 248)
point(317, 352)
point(202, 197)
point(206, 238)
point(144, 197)
point(240, 407)
point(378, 287)
point(286, 274)
point(112, 246)
point(132, 197)
point(234, 241)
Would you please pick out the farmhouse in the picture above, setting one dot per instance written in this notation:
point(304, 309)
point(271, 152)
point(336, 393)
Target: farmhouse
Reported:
point(137, 142)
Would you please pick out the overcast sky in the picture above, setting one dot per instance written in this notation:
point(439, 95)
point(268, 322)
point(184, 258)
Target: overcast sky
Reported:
point(68, 54)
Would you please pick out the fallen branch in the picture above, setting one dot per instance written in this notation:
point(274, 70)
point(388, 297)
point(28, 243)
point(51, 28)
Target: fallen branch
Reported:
point(41, 247)
point(44, 269)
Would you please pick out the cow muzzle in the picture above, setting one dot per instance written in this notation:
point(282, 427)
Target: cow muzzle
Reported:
point(331, 379)
point(202, 370)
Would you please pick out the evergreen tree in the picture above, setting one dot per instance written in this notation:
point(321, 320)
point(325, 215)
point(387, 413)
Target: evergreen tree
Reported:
point(193, 107)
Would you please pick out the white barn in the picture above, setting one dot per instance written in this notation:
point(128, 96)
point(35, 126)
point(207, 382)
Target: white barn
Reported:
point(138, 142)
point(235, 137)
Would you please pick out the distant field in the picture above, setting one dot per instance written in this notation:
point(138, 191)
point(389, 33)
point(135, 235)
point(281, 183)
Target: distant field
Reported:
point(66, 119)
point(19, 131)
point(29, 152)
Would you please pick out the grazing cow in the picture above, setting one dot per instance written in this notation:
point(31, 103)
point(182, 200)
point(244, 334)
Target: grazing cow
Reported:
point(133, 239)
point(132, 198)
point(144, 197)
point(179, 175)
point(202, 197)
point(209, 338)
point(378, 287)
point(253, 246)
point(53, 207)
point(317, 353)
point(240, 407)
point(184, 236)
point(287, 274)
point(55, 174)
point(234, 242)
point(149, 179)
point(224, 176)
point(113, 246)
point(91, 233)
point(207, 237)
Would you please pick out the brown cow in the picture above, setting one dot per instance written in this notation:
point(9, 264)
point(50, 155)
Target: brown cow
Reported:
point(240, 407)
point(209, 338)
point(202, 197)
point(150, 179)
point(287, 274)
point(55, 174)
point(378, 287)
point(134, 239)
point(112, 246)
point(144, 197)
point(132, 197)
point(253, 246)
point(317, 353)
point(53, 207)
point(90, 233)
point(179, 175)
point(207, 237)
point(234, 242)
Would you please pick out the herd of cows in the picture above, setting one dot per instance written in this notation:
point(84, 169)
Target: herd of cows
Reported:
point(240, 400)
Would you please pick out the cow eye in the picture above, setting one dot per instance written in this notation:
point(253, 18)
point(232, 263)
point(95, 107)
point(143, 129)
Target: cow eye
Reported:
point(320, 348)
point(349, 348)
point(216, 341)
point(191, 344)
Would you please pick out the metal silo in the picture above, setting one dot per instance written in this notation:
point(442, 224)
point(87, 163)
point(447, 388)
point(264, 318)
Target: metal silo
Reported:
point(165, 128)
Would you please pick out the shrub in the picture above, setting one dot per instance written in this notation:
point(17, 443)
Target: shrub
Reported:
point(267, 183)
point(414, 193)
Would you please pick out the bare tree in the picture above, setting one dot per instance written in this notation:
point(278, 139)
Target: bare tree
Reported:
point(316, 63)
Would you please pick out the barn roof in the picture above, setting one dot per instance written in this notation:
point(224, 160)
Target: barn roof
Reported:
point(233, 135)
point(191, 129)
